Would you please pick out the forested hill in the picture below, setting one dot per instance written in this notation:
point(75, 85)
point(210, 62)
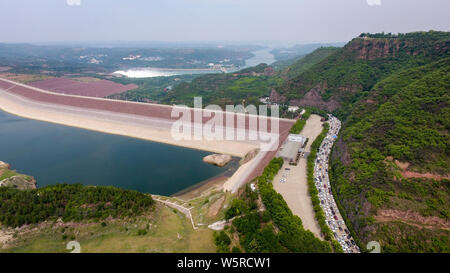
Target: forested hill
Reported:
point(390, 168)
point(69, 203)
point(341, 79)
point(230, 88)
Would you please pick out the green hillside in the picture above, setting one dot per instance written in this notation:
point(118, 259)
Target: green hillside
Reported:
point(70, 203)
point(390, 167)
point(406, 118)
point(307, 62)
point(231, 88)
point(244, 86)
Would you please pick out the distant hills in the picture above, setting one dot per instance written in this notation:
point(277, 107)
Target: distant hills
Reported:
point(342, 78)
point(390, 168)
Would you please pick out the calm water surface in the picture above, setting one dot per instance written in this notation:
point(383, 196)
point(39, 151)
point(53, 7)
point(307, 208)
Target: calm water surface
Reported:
point(60, 154)
point(260, 56)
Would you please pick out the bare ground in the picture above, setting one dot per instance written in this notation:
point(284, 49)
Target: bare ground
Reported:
point(295, 189)
point(409, 174)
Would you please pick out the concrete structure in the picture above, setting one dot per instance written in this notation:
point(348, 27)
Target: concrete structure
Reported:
point(293, 109)
point(290, 150)
point(297, 138)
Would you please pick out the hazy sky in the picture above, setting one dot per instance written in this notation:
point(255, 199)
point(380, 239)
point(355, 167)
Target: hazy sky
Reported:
point(215, 20)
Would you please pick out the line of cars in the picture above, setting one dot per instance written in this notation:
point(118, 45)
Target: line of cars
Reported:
point(333, 217)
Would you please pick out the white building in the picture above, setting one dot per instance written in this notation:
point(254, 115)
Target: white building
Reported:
point(297, 138)
point(293, 109)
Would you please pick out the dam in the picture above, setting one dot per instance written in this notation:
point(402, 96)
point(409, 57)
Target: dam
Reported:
point(138, 120)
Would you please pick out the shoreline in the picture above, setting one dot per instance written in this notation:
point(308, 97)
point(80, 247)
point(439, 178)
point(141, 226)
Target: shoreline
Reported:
point(295, 189)
point(101, 99)
point(221, 178)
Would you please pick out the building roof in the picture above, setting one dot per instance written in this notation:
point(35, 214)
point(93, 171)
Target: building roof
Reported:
point(297, 138)
point(293, 108)
point(290, 150)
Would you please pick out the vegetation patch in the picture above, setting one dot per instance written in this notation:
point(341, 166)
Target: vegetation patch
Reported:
point(314, 194)
point(300, 123)
point(408, 121)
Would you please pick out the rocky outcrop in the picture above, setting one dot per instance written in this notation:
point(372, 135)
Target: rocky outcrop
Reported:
point(276, 97)
point(217, 159)
point(15, 180)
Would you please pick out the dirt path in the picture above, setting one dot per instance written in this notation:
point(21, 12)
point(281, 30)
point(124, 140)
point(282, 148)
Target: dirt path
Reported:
point(216, 206)
point(140, 120)
point(295, 189)
point(182, 209)
point(412, 218)
point(411, 174)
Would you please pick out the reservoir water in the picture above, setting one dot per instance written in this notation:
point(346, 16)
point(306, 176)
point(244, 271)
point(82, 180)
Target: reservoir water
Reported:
point(60, 154)
point(151, 72)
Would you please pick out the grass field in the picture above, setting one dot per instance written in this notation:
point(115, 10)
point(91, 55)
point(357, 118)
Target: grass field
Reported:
point(162, 230)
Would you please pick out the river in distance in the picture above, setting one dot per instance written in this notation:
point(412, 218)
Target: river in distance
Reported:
point(260, 56)
point(55, 153)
